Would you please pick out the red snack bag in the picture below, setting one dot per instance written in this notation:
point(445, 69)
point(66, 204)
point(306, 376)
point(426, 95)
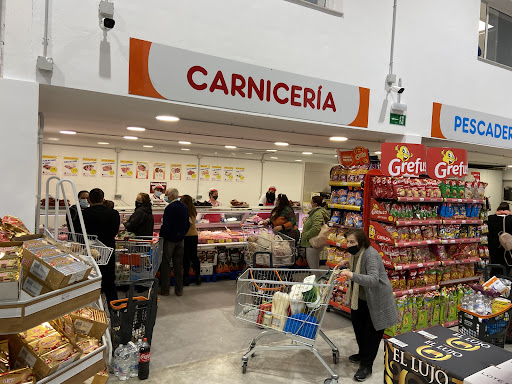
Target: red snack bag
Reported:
point(416, 233)
point(398, 187)
point(411, 281)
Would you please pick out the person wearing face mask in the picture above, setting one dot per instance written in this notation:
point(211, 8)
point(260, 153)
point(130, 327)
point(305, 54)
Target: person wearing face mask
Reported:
point(141, 222)
point(370, 298)
point(267, 200)
point(213, 217)
point(312, 226)
point(158, 198)
point(83, 201)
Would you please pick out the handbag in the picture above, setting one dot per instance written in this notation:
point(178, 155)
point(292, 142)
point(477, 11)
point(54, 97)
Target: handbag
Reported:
point(320, 240)
point(506, 242)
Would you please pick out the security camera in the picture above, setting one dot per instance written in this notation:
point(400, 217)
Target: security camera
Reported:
point(397, 89)
point(107, 23)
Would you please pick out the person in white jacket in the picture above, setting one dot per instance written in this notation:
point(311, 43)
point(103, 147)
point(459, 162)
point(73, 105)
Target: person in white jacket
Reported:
point(269, 198)
point(157, 197)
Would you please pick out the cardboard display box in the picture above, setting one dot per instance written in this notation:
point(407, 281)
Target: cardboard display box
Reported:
point(439, 355)
point(34, 287)
point(85, 325)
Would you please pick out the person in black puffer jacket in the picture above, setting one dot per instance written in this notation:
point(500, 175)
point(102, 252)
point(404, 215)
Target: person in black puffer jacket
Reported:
point(141, 222)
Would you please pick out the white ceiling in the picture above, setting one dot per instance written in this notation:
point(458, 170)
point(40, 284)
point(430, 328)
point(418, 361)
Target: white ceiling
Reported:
point(104, 117)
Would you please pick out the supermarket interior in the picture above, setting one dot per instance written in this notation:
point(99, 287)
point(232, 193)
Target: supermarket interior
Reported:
point(182, 203)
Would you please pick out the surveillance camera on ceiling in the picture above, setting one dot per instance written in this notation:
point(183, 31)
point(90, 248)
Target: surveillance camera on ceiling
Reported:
point(107, 23)
point(397, 89)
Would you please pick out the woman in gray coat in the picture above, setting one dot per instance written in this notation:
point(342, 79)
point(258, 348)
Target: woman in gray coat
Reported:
point(371, 299)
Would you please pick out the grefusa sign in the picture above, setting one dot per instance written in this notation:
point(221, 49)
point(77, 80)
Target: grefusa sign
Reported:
point(402, 159)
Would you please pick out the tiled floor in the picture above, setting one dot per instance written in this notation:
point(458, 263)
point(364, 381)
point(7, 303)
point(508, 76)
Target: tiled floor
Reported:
point(197, 340)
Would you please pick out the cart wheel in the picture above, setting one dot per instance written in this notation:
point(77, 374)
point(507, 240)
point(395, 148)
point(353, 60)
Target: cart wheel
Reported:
point(328, 308)
point(244, 367)
point(335, 357)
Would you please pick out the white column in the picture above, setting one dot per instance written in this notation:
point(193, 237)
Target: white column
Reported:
point(19, 105)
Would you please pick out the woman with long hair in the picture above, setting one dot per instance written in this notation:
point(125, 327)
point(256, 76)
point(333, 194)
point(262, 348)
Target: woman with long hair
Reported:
point(282, 218)
point(141, 222)
point(191, 240)
point(312, 226)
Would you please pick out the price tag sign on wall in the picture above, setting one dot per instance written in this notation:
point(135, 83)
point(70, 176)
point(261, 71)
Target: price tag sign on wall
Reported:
point(358, 156)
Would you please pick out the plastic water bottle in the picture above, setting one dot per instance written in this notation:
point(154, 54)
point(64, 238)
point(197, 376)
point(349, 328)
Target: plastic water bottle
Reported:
point(479, 304)
point(134, 359)
point(117, 358)
point(125, 364)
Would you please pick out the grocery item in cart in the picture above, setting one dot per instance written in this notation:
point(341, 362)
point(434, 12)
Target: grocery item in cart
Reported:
point(280, 306)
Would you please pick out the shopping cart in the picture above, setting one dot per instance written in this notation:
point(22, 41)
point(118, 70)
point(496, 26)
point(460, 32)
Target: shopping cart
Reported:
point(75, 242)
point(137, 258)
point(133, 318)
point(492, 328)
point(289, 302)
point(273, 249)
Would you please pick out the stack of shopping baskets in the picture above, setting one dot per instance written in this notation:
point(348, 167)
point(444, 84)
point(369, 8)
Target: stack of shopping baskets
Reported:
point(137, 258)
point(291, 302)
point(265, 247)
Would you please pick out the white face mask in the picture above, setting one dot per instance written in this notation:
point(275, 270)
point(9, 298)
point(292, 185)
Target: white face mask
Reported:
point(84, 203)
point(166, 199)
point(158, 193)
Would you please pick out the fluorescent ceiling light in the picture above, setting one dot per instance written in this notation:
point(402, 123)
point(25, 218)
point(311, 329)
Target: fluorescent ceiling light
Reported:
point(510, 166)
point(281, 143)
point(271, 150)
point(168, 118)
point(184, 142)
point(131, 137)
point(307, 153)
point(231, 219)
point(53, 139)
point(298, 160)
point(338, 138)
point(230, 146)
point(378, 152)
point(138, 129)
point(68, 132)
point(103, 143)
point(275, 158)
point(185, 149)
point(147, 146)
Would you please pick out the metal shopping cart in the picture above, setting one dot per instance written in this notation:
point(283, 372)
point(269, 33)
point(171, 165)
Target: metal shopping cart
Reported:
point(288, 302)
point(267, 247)
point(133, 318)
point(137, 258)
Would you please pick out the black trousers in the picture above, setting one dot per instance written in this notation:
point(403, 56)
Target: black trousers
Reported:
point(190, 256)
point(108, 280)
point(368, 339)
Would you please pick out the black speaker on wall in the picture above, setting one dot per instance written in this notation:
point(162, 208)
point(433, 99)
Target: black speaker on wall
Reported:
point(507, 194)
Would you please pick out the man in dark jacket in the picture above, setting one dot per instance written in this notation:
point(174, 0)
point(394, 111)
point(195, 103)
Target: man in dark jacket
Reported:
point(83, 201)
point(141, 222)
point(496, 251)
point(103, 222)
point(175, 225)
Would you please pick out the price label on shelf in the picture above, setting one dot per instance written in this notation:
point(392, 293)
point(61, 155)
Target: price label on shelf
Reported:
point(420, 265)
point(228, 240)
point(211, 242)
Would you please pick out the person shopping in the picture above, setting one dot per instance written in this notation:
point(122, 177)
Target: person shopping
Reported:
point(312, 226)
point(141, 222)
point(371, 300)
point(191, 240)
point(282, 218)
point(83, 201)
point(502, 218)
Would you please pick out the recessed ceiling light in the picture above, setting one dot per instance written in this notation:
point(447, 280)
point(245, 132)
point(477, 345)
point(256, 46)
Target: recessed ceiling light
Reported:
point(248, 153)
point(53, 139)
point(281, 143)
point(307, 153)
point(138, 129)
point(510, 166)
point(335, 155)
point(68, 132)
point(185, 149)
point(103, 143)
point(147, 146)
point(378, 152)
point(230, 146)
point(168, 118)
point(298, 160)
point(271, 150)
point(338, 138)
point(131, 138)
point(184, 142)
point(275, 158)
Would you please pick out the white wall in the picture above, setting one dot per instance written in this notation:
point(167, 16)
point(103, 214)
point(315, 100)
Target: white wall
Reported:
point(18, 149)
point(287, 177)
point(316, 179)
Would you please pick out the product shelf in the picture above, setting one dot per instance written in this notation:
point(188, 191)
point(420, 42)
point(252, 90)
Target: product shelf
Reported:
point(459, 281)
point(233, 224)
point(28, 311)
point(336, 225)
point(403, 223)
point(345, 184)
point(420, 199)
point(470, 201)
point(464, 261)
point(463, 221)
point(461, 241)
point(345, 207)
point(335, 244)
point(427, 264)
point(227, 244)
point(416, 290)
point(339, 306)
point(417, 243)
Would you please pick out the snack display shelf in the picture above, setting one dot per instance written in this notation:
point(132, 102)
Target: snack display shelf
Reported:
point(226, 244)
point(345, 207)
point(463, 221)
point(469, 201)
point(402, 223)
point(339, 306)
point(459, 281)
point(461, 241)
point(345, 184)
point(336, 225)
point(417, 243)
point(464, 261)
point(427, 264)
point(80, 370)
point(28, 311)
point(420, 199)
point(335, 244)
point(416, 290)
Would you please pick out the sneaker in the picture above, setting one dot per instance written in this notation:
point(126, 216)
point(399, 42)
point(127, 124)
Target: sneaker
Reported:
point(355, 358)
point(363, 373)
